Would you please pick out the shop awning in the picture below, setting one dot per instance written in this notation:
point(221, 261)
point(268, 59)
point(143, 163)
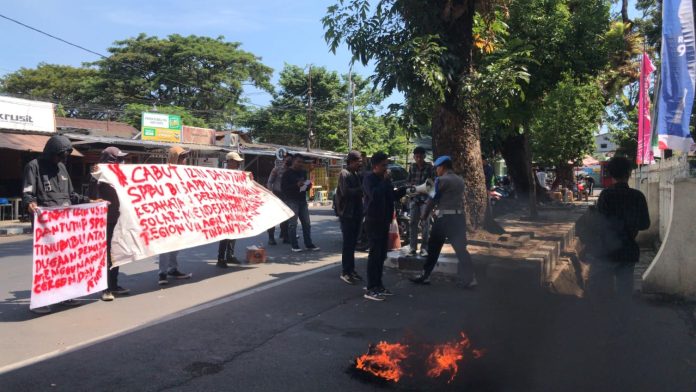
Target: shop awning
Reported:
point(30, 143)
point(143, 144)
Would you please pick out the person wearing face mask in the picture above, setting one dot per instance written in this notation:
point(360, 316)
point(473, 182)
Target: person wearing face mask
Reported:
point(47, 183)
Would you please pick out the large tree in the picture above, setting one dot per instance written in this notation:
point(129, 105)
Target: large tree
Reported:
point(425, 50)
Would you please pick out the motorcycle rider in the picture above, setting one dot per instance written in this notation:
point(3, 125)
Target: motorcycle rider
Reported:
point(419, 172)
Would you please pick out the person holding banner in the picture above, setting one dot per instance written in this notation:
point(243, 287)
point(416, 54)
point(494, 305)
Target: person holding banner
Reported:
point(104, 191)
point(295, 185)
point(46, 183)
point(226, 246)
point(168, 264)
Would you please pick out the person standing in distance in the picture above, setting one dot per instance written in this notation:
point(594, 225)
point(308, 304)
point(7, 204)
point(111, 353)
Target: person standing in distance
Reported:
point(295, 185)
point(226, 246)
point(274, 184)
point(168, 264)
point(419, 172)
point(449, 224)
point(350, 212)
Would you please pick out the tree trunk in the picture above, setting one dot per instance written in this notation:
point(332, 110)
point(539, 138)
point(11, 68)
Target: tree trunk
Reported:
point(515, 156)
point(457, 134)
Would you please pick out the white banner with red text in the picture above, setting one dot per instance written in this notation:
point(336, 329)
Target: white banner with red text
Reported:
point(171, 207)
point(69, 253)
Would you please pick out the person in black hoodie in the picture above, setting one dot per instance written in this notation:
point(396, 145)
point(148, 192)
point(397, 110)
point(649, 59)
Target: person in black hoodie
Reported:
point(294, 185)
point(379, 211)
point(47, 183)
point(349, 210)
point(105, 191)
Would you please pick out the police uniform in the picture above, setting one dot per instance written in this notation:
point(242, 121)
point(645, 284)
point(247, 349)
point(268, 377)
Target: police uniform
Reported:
point(450, 223)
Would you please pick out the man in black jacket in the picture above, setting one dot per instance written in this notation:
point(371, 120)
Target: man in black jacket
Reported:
point(350, 212)
point(47, 183)
point(294, 185)
point(104, 191)
point(379, 211)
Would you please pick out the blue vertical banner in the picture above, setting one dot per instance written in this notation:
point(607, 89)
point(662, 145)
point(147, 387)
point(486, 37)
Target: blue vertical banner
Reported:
point(678, 76)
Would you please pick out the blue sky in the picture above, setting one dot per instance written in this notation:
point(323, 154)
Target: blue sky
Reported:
point(279, 31)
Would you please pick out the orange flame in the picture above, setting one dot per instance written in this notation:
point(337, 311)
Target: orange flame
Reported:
point(445, 357)
point(384, 360)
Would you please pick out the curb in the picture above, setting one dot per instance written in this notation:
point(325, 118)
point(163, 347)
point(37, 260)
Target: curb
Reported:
point(8, 231)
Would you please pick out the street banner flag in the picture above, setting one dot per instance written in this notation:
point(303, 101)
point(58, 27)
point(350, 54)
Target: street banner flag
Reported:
point(678, 75)
point(645, 153)
point(164, 208)
point(69, 253)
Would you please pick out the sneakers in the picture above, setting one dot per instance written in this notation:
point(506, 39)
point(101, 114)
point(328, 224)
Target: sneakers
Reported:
point(272, 241)
point(423, 253)
point(412, 252)
point(421, 279)
point(384, 292)
point(107, 296)
point(221, 263)
point(120, 291)
point(233, 260)
point(348, 278)
point(162, 279)
point(356, 277)
point(470, 285)
point(296, 249)
point(41, 310)
point(176, 274)
point(313, 248)
point(374, 295)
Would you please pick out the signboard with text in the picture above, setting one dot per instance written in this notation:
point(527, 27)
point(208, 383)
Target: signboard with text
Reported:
point(69, 253)
point(24, 115)
point(196, 135)
point(161, 127)
point(164, 208)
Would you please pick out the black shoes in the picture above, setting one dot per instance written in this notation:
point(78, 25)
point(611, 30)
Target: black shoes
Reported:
point(421, 279)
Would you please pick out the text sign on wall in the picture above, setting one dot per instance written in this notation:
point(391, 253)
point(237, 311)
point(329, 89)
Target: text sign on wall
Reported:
point(161, 127)
point(171, 207)
point(25, 115)
point(69, 253)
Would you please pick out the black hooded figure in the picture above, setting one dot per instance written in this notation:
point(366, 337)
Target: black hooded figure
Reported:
point(46, 180)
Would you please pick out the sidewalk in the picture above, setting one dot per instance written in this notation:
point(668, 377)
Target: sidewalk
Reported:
point(14, 227)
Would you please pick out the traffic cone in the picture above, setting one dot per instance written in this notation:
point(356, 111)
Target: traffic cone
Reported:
point(394, 238)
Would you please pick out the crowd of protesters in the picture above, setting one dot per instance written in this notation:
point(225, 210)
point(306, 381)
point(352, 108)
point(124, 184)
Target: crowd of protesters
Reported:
point(364, 202)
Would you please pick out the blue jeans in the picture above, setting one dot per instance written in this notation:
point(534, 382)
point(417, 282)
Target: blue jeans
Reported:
point(168, 262)
point(301, 211)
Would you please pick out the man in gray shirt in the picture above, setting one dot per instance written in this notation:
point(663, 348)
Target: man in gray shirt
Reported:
point(449, 224)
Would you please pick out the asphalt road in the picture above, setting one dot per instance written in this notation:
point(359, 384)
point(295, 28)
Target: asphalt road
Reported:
point(301, 332)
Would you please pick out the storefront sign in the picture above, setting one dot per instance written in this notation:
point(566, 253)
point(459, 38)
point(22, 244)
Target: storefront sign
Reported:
point(161, 127)
point(195, 135)
point(24, 115)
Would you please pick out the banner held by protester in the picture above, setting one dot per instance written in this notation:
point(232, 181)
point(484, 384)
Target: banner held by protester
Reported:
point(69, 253)
point(171, 207)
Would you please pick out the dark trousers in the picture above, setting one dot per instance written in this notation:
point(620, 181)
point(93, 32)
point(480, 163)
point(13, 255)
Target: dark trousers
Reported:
point(350, 227)
point(226, 249)
point(377, 237)
point(283, 226)
point(609, 279)
point(301, 211)
point(452, 227)
point(112, 275)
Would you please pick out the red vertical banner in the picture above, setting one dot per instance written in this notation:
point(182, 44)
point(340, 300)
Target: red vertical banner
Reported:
point(645, 153)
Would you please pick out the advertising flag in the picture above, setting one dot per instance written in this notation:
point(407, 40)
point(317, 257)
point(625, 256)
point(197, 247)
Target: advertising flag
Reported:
point(645, 153)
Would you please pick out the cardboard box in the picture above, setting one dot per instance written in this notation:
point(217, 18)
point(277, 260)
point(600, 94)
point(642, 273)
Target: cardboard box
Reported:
point(255, 255)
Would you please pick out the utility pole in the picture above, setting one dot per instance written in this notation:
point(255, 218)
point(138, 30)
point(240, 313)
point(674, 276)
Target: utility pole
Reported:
point(309, 110)
point(350, 108)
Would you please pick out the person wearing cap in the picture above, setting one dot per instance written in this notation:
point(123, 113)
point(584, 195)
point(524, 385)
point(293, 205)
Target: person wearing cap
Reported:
point(46, 183)
point(168, 263)
point(274, 184)
point(349, 210)
point(226, 246)
point(105, 191)
point(295, 184)
point(450, 224)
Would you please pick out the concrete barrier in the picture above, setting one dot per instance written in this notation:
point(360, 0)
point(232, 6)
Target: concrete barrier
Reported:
point(673, 271)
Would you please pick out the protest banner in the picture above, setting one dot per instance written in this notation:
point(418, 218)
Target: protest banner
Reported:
point(170, 207)
point(69, 253)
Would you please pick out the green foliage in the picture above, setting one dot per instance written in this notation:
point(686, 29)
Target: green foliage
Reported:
point(285, 120)
point(564, 125)
point(622, 121)
point(133, 113)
